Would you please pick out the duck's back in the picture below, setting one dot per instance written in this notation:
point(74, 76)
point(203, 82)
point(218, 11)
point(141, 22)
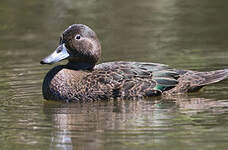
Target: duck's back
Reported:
point(130, 80)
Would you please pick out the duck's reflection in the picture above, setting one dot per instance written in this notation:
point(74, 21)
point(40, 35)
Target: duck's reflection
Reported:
point(91, 125)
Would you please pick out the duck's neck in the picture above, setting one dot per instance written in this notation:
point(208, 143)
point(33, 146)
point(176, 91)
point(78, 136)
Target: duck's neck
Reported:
point(80, 65)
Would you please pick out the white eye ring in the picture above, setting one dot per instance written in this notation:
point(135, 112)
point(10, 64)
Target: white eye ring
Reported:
point(77, 37)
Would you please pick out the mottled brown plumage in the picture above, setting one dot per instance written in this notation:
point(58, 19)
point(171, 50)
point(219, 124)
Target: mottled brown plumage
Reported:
point(82, 80)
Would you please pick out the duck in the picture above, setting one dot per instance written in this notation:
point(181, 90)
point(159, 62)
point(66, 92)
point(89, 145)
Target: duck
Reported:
point(82, 80)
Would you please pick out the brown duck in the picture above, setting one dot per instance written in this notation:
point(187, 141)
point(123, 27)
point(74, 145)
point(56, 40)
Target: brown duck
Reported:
point(82, 80)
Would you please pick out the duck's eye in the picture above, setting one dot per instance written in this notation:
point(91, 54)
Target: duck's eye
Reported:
point(77, 37)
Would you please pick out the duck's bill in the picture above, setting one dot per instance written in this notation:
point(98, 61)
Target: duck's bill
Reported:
point(59, 54)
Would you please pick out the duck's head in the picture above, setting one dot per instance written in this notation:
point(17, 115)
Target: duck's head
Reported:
point(80, 45)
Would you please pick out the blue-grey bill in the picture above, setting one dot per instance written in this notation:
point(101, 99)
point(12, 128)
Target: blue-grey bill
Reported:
point(59, 54)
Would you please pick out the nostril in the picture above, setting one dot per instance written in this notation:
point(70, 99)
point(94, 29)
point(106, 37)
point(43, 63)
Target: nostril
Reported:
point(59, 50)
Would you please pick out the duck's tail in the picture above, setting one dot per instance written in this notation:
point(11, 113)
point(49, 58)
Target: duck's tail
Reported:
point(212, 77)
point(191, 81)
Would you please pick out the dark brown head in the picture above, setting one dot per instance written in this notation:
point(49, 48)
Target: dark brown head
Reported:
point(80, 45)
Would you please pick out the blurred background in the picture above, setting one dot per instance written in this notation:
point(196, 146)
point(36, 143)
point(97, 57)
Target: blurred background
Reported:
point(184, 34)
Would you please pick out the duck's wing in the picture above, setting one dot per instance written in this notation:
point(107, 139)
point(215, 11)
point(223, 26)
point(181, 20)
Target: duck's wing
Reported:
point(140, 78)
point(148, 79)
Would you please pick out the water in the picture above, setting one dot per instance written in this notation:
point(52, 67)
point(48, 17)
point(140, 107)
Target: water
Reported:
point(184, 34)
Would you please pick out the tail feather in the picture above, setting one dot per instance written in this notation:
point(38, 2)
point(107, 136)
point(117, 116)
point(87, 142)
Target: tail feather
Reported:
point(192, 81)
point(212, 77)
